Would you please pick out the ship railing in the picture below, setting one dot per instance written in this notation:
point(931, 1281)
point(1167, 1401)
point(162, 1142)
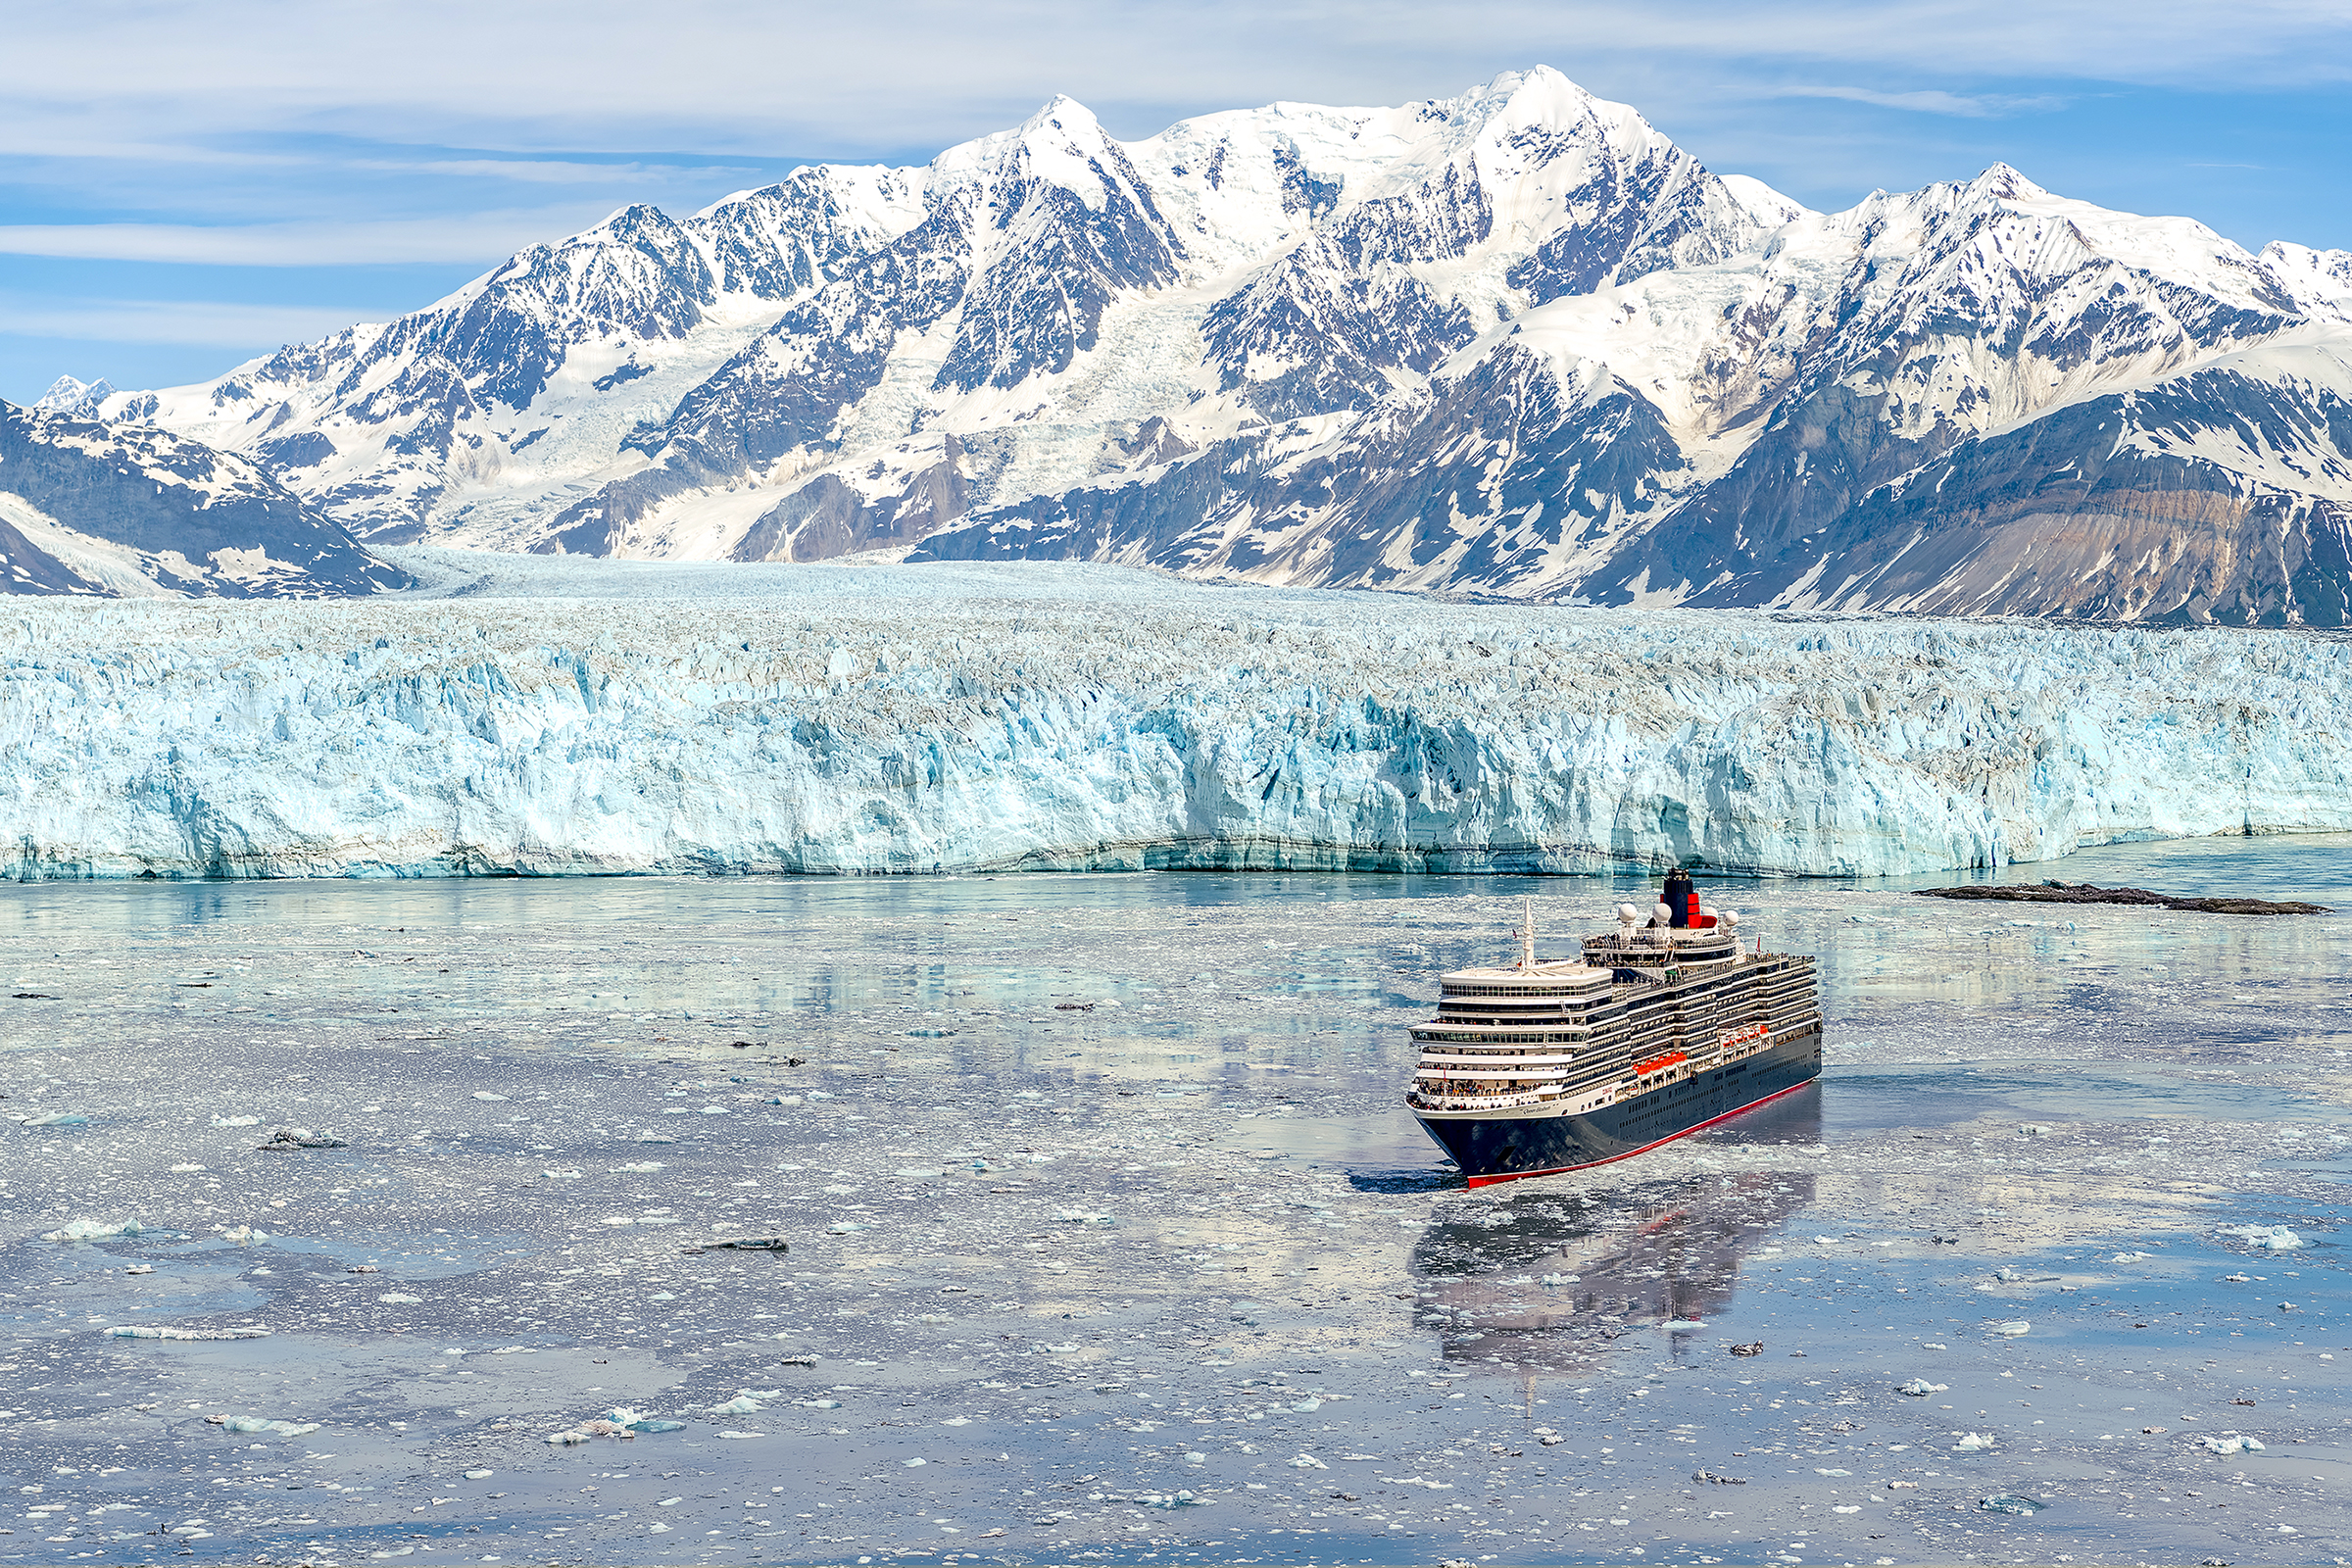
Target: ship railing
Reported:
point(1520, 1097)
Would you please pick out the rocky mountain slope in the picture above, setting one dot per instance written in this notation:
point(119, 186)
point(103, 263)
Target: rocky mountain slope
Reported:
point(1512, 343)
point(136, 512)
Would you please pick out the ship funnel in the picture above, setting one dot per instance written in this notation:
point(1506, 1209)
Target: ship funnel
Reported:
point(1681, 899)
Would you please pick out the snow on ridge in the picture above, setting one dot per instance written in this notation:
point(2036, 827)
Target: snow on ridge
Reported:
point(860, 720)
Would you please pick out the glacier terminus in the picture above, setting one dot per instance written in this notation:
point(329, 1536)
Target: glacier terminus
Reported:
point(535, 716)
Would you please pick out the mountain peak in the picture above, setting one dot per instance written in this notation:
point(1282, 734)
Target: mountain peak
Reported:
point(69, 395)
point(2004, 183)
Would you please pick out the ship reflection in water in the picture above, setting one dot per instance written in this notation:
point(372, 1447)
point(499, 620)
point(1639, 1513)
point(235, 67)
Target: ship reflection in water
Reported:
point(1547, 1281)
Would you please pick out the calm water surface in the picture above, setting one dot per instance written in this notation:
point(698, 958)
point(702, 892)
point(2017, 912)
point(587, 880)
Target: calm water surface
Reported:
point(1109, 1240)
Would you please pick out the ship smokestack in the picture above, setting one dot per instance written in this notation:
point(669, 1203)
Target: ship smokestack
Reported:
point(1681, 900)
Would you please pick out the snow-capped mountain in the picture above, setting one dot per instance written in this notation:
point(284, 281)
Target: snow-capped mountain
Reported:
point(82, 399)
point(117, 510)
point(1515, 342)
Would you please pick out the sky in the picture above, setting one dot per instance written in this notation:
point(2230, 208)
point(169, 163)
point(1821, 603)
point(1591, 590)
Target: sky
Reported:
point(184, 186)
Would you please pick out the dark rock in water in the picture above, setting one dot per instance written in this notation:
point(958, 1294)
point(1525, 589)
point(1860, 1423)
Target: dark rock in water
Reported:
point(745, 1244)
point(2086, 893)
point(293, 1137)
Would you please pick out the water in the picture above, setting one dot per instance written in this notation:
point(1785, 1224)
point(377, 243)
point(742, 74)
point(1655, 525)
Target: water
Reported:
point(1098, 1196)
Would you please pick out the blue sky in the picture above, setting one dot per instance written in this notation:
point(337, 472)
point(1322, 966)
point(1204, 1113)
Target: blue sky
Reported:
point(186, 185)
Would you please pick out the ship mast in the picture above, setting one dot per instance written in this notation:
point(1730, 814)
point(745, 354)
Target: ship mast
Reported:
point(1527, 934)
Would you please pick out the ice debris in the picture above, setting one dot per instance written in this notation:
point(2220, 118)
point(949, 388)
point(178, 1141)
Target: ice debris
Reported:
point(93, 1230)
point(1921, 1387)
point(236, 1121)
point(620, 1415)
point(145, 1332)
point(2233, 1443)
point(747, 1402)
point(400, 1299)
point(2005, 1504)
point(2271, 1237)
point(244, 1235)
point(2013, 1328)
point(58, 1118)
point(1308, 1461)
point(1974, 1442)
point(255, 1423)
point(1170, 1500)
point(588, 1430)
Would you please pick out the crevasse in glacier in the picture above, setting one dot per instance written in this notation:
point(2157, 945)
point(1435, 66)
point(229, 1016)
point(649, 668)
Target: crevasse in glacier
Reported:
point(614, 718)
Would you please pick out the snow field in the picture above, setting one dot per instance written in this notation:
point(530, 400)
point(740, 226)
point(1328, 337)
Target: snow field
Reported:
point(868, 718)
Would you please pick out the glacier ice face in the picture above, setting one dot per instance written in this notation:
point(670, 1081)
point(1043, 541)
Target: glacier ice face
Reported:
point(553, 716)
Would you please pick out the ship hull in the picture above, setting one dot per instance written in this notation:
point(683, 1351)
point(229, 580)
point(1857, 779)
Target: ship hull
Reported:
point(1506, 1146)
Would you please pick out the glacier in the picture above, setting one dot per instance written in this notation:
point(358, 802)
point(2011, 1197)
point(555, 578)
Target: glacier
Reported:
point(537, 715)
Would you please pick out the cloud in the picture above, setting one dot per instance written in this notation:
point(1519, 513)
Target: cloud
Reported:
point(1968, 106)
point(716, 76)
point(199, 323)
point(472, 237)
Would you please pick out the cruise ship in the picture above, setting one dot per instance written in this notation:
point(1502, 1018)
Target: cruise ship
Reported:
point(1661, 1027)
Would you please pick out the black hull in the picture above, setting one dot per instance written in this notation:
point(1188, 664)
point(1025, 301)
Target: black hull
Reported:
point(1502, 1146)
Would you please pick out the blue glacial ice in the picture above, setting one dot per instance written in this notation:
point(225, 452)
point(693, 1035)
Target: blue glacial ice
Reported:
point(595, 717)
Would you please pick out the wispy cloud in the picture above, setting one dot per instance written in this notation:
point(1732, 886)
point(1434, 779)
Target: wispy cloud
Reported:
point(1967, 106)
point(198, 324)
point(720, 78)
point(481, 237)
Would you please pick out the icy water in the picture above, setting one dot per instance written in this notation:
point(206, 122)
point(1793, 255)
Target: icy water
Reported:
point(1110, 1242)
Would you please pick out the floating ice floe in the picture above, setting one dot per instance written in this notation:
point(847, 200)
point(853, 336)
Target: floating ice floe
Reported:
point(484, 1093)
point(1308, 1461)
point(642, 1167)
point(400, 1299)
point(255, 1423)
point(1974, 1442)
point(93, 1230)
point(58, 1118)
point(748, 1402)
point(1921, 1387)
point(480, 1475)
point(236, 1121)
point(2005, 1504)
point(818, 1404)
point(1080, 1216)
point(143, 1331)
point(2013, 1328)
point(1171, 1500)
point(2132, 1257)
point(2233, 1444)
point(2271, 1237)
point(587, 1431)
